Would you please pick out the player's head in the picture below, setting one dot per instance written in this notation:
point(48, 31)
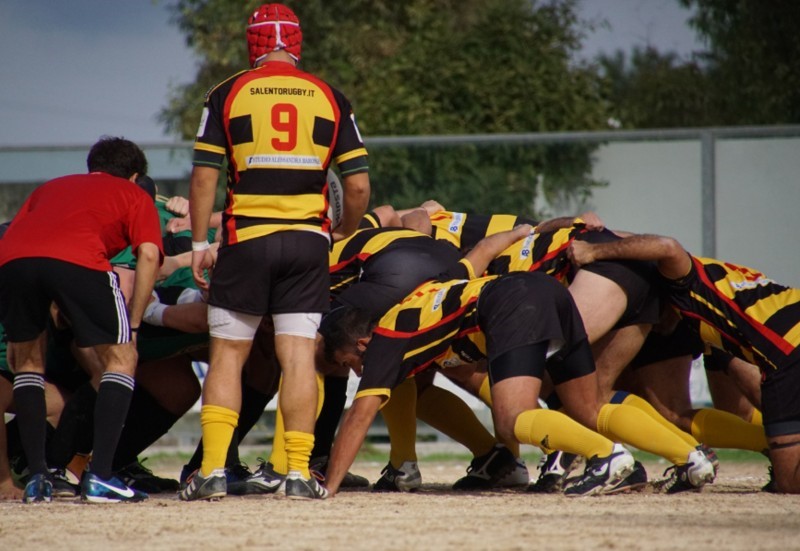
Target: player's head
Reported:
point(342, 327)
point(116, 156)
point(273, 27)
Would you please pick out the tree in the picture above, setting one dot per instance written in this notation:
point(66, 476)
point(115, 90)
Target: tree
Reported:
point(657, 90)
point(753, 58)
point(432, 67)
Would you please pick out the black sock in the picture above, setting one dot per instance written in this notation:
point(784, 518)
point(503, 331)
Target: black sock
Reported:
point(113, 400)
point(329, 416)
point(147, 421)
point(253, 404)
point(32, 418)
point(75, 426)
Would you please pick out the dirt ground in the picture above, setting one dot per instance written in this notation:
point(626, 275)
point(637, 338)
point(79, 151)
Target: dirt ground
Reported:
point(730, 514)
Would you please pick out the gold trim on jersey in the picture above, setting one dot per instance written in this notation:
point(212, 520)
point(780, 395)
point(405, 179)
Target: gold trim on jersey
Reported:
point(201, 146)
point(384, 393)
point(284, 207)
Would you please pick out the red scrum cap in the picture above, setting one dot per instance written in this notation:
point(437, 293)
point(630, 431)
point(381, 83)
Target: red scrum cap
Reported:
point(273, 27)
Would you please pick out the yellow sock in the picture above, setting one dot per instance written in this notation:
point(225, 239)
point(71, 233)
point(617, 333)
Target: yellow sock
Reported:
point(218, 423)
point(630, 425)
point(298, 450)
point(485, 392)
point(553, 430)
point(756, 418)
point(450, 415)
point(400, 415)
point(720, 429)
point(278, 458)
point(644, 405)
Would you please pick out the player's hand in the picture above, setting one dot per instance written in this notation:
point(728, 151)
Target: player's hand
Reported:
point(592, 221)
point(521, 231)
point(177, 205)
point(177, 225)
point(202, 261)
point(432, 207)
point(580, 253)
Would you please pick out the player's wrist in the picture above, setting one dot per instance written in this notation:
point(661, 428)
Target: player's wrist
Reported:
point(198, 246)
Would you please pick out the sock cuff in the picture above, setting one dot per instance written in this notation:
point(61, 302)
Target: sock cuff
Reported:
point(604, 418)
point(28, 380)
point(112, 377)
point(218, 414)
point(523, 425)
point(296, 437)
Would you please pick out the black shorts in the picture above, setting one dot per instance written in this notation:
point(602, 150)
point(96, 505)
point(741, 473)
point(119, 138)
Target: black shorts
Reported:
point(281, 273)
point(90, 299)
point(389, 276)
point(683, 341)
point(780, 400)
point(639, 280)
point(524, 308)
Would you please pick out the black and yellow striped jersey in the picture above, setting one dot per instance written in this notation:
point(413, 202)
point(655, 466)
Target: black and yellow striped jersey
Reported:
point(437, 323)
point(741, 311)
point(348, 256)
point(280, 128)
point(464, 230)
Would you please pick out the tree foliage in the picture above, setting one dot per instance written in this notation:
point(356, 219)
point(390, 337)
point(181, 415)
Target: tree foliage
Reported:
point(753, 58)
point(749, 73)
point(426, 67)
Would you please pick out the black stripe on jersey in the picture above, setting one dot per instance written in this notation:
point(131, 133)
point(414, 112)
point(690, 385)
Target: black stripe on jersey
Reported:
point(715, 272)
point(241, 129)
point(243, 222)
point(784, 319)
point(408, 320)
point(499, 265)
point(266, 181)
point(474, 230)
point(207, 158)
point(323, 132)
point(468, 349)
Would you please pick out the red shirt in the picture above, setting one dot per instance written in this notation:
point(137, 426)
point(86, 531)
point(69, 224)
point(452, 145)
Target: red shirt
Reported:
point(85, 219)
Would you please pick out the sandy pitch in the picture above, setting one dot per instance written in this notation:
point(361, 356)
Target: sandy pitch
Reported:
point(730, 514)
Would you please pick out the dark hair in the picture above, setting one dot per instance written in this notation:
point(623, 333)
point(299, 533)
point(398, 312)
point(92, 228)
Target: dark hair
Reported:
point(146, 183)
point(118, 157)
point(342, 327)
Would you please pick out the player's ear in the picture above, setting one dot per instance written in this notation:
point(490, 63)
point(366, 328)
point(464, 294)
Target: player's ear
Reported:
point(362, 344)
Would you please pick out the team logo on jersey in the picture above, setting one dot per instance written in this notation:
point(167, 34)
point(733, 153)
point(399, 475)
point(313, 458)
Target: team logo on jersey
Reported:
point(458, 221)
point(203, 120)
point(438, 298)
point(751, 283)
point(527, 245)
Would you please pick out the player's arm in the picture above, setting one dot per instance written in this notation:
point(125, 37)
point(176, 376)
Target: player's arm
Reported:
point(148, 261)
point(591, 220)
point(202, 193)
point(490, 247)
point(351, 435)
point(356, 199)
point(672, 260)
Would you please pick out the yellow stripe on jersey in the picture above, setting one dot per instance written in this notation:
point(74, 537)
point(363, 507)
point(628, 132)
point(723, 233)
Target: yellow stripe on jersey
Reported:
point(291, 207)
point(283, 130)
point(382, 392)
point(500, 223)
point(200, 146)
point(362, 152)
point(261, 230)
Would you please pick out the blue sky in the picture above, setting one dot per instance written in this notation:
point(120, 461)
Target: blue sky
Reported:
point(73, 70)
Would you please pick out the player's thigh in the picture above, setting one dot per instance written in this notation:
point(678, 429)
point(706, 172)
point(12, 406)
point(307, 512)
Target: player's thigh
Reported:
point(600, 301)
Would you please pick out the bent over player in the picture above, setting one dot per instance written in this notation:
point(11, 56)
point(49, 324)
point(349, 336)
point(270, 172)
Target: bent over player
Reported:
point(741, 311)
